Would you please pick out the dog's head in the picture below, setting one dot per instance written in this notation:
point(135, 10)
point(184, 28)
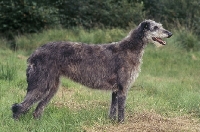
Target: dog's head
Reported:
point(154, 32)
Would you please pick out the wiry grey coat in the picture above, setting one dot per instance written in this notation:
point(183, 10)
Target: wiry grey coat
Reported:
point(113, 66)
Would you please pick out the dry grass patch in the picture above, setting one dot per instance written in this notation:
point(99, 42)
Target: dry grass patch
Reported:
point(22, 57)
point(68, 98)
point(150, 122)
point(65, 98)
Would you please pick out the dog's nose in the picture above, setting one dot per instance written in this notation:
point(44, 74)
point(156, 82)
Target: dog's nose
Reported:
point(170, 34)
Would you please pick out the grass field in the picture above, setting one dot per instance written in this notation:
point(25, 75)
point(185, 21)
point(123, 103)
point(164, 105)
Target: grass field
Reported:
point(165, 97)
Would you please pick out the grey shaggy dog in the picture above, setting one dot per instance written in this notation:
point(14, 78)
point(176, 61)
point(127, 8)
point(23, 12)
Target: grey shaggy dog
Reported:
point(113, 66)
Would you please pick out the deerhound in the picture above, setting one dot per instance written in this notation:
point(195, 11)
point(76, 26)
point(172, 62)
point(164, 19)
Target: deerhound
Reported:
point(113, 66)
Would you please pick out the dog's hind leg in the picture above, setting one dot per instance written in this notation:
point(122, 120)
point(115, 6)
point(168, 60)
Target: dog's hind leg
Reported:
point(53, 88)
point(36, 91)
point(31, 98)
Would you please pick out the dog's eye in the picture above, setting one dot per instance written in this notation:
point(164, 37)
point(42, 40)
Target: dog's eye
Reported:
point(155, 27)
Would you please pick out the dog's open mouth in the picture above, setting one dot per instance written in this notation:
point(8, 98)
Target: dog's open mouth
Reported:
point(159, 40)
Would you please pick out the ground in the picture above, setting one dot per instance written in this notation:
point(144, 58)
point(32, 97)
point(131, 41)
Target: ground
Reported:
point(151, 122)
point(145, 121)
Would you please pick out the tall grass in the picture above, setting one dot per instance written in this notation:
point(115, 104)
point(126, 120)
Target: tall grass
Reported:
point(187, 40)
point(168, 84)
point(3, 43)
point(7, 72)
point(32, 41)
point(8, 69)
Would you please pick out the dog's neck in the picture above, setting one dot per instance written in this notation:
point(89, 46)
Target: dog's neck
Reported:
point(133, 42)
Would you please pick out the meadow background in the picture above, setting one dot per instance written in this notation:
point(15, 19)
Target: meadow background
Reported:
point(166, 95)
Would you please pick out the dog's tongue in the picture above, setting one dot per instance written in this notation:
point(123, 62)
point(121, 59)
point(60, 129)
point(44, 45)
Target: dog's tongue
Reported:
point(159, 40)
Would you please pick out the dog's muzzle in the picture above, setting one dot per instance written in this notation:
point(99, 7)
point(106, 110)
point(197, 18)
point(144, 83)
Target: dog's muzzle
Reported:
point(169, 34)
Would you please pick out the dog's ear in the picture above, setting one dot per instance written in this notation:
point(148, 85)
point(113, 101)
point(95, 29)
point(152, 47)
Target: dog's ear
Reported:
point(145, 26)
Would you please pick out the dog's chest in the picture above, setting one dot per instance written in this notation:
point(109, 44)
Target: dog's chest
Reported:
point(135, 70)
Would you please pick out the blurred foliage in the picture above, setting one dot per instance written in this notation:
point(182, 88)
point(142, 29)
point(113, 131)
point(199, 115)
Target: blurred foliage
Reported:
point(99, 13)
point(175, 13)
point(30, 16)
point(24, 16)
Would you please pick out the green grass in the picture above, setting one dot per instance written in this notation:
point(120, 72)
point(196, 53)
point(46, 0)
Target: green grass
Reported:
point(168, 84)
point(30, 42)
